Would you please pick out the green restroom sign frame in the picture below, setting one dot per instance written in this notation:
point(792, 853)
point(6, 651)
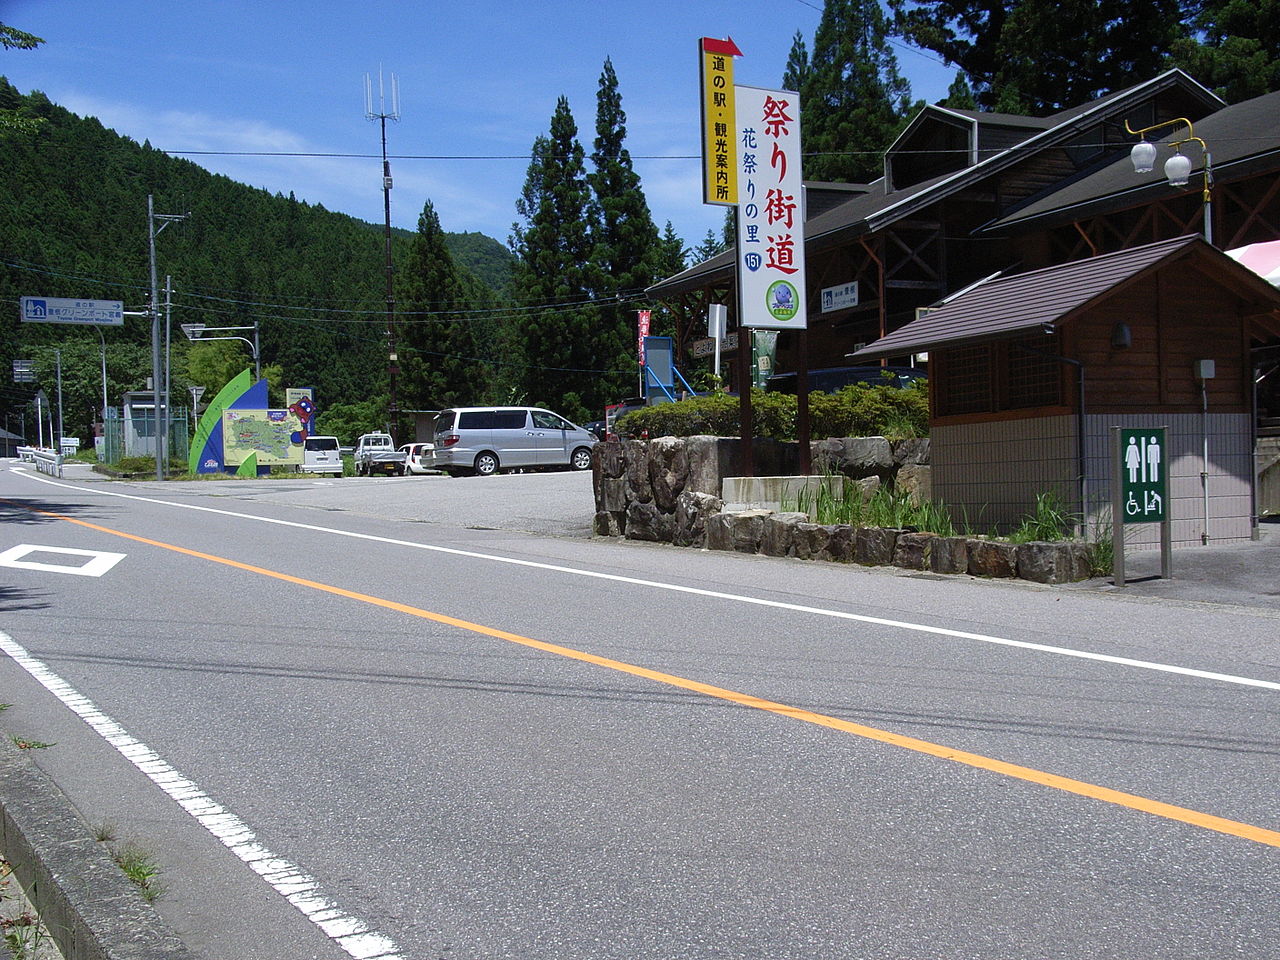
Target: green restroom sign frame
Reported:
point(1140, 489)
point(1144, 484)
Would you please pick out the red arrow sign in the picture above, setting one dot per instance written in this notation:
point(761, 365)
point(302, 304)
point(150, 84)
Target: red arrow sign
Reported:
point(725, 46)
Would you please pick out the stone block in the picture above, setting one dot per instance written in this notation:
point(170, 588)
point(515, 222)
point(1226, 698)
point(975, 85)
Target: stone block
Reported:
point(668, 471)
point(779, 532)
point(646, 522)
point(914, 451)
point(949, 555)
point(913, 550)
point(609, 523)
point(874, 546)
point(839, 546)
point(868, 487)
point(991, 558)
point(692, 512)
point(810, 540)
point(865, 457)
point(915, 481)
point(705, 473)
point(612, 495)
point(636, 471)
point(740, 532)
point(1062, 561)
point(607, 460)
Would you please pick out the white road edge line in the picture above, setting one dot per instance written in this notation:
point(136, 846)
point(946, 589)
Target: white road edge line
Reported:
point(699, 592)
point(300, 889)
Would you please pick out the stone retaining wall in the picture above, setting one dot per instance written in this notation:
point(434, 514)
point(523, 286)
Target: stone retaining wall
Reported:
point(668, 490)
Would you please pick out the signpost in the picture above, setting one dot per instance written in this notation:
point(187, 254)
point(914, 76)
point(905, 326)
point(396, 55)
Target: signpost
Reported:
point(1140, 490)
point(771, 211)
point(719, 146)
point(109, 313)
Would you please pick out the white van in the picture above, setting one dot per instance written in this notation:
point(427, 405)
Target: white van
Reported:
point(485, 440)
point(321, 455)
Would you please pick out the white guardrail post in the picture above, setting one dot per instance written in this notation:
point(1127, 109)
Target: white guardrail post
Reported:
point(46, 461)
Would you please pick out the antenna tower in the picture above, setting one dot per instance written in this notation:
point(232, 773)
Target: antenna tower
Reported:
point(382, 114)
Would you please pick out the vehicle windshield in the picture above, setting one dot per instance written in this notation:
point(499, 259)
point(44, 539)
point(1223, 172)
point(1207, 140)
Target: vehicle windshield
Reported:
point(322, 443)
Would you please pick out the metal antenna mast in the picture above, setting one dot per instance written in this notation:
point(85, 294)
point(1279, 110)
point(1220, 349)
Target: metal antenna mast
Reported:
point(382, 115)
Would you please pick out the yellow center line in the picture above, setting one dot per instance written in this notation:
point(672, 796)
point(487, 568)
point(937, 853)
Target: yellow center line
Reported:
point(1081, 788)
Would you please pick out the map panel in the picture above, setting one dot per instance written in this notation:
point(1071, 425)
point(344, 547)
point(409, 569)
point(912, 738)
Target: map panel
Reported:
point(264, 432)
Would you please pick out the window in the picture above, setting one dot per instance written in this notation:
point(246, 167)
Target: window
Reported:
point(510, 419)
point(548, 421)
point(965, 381)
point(1008, 375)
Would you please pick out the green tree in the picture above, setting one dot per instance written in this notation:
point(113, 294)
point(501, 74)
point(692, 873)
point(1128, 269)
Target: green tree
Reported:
point(959, 95)
point(674, 256)
point(796, 73)
point(853, 101)
point(711, 246)
point(626, 255)
point(558, 358)
point(12, 123)
point(1235, 49)
point(1040, 56)
point(440, 359)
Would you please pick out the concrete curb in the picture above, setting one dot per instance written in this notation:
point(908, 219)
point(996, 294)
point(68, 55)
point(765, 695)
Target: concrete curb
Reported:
point(88, 906)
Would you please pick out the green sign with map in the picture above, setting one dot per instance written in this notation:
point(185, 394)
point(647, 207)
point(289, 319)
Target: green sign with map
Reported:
point(268, 434)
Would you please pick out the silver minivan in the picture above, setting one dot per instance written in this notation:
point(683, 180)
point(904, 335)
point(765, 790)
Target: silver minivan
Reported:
point(485, 440)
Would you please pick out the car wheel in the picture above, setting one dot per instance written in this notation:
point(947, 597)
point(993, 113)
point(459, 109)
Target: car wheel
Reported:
point(486, 464)
point(581, 459)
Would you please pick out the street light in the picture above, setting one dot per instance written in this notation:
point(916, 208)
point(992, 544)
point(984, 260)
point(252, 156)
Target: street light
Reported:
point(198, 331)
point(1177, 169)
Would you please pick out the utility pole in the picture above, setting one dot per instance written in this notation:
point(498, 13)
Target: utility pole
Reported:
point(157, 392)
point(383, 115)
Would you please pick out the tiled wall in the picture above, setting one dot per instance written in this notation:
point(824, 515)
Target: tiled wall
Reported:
point(992, 472)
point(1230, 470)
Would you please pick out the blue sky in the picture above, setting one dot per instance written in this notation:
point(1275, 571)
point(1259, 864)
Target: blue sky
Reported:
point(477, 80)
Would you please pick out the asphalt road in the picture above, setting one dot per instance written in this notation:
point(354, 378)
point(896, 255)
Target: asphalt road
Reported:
point(448, 724)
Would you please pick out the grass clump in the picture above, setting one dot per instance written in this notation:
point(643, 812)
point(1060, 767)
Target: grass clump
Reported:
point(141, 868)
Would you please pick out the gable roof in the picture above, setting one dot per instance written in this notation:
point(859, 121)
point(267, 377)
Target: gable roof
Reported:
point(879, 207)
point(1012, 306)
point(1242, 138)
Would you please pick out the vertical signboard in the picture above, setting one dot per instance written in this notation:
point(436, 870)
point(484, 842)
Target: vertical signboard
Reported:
point(719, 157)
point(1140, 489)
point(770, 209)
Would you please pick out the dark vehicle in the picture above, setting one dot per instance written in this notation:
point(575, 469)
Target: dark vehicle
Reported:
point(595, 428)
point(614, 411)
point(835, 379)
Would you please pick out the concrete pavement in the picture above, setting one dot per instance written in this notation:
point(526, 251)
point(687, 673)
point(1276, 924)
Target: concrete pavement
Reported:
point(40, 828)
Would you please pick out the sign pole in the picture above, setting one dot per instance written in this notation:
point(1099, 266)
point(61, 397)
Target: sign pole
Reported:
point(1117, 515)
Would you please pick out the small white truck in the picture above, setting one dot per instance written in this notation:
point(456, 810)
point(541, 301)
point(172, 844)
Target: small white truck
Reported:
point(376, 453)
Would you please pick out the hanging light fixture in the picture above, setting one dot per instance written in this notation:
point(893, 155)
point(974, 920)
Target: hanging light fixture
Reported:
point(1143, 156)
point(1177, 169)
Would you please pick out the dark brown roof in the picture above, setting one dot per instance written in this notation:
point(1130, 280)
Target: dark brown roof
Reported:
point(1010, 306)
point(1244, 139)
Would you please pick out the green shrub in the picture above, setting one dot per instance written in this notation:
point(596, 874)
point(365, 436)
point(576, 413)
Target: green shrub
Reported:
point(856, 411)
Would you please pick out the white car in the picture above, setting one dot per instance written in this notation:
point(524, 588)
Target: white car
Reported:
point(418, 458)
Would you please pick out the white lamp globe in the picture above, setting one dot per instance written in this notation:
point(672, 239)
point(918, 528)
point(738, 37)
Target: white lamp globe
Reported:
point(1143, 156)
point(1176, 169)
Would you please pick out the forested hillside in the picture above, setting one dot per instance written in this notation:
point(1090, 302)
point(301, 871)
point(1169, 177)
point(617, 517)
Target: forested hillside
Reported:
point(73, 223)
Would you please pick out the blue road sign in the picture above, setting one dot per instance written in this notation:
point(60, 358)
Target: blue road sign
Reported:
point(107, 313)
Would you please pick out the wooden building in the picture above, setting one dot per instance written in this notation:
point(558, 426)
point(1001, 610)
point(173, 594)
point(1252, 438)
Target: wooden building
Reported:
point(966, 194)
point(1030, 372)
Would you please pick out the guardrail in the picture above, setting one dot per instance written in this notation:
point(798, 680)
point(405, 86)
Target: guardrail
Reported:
point(46, 461)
